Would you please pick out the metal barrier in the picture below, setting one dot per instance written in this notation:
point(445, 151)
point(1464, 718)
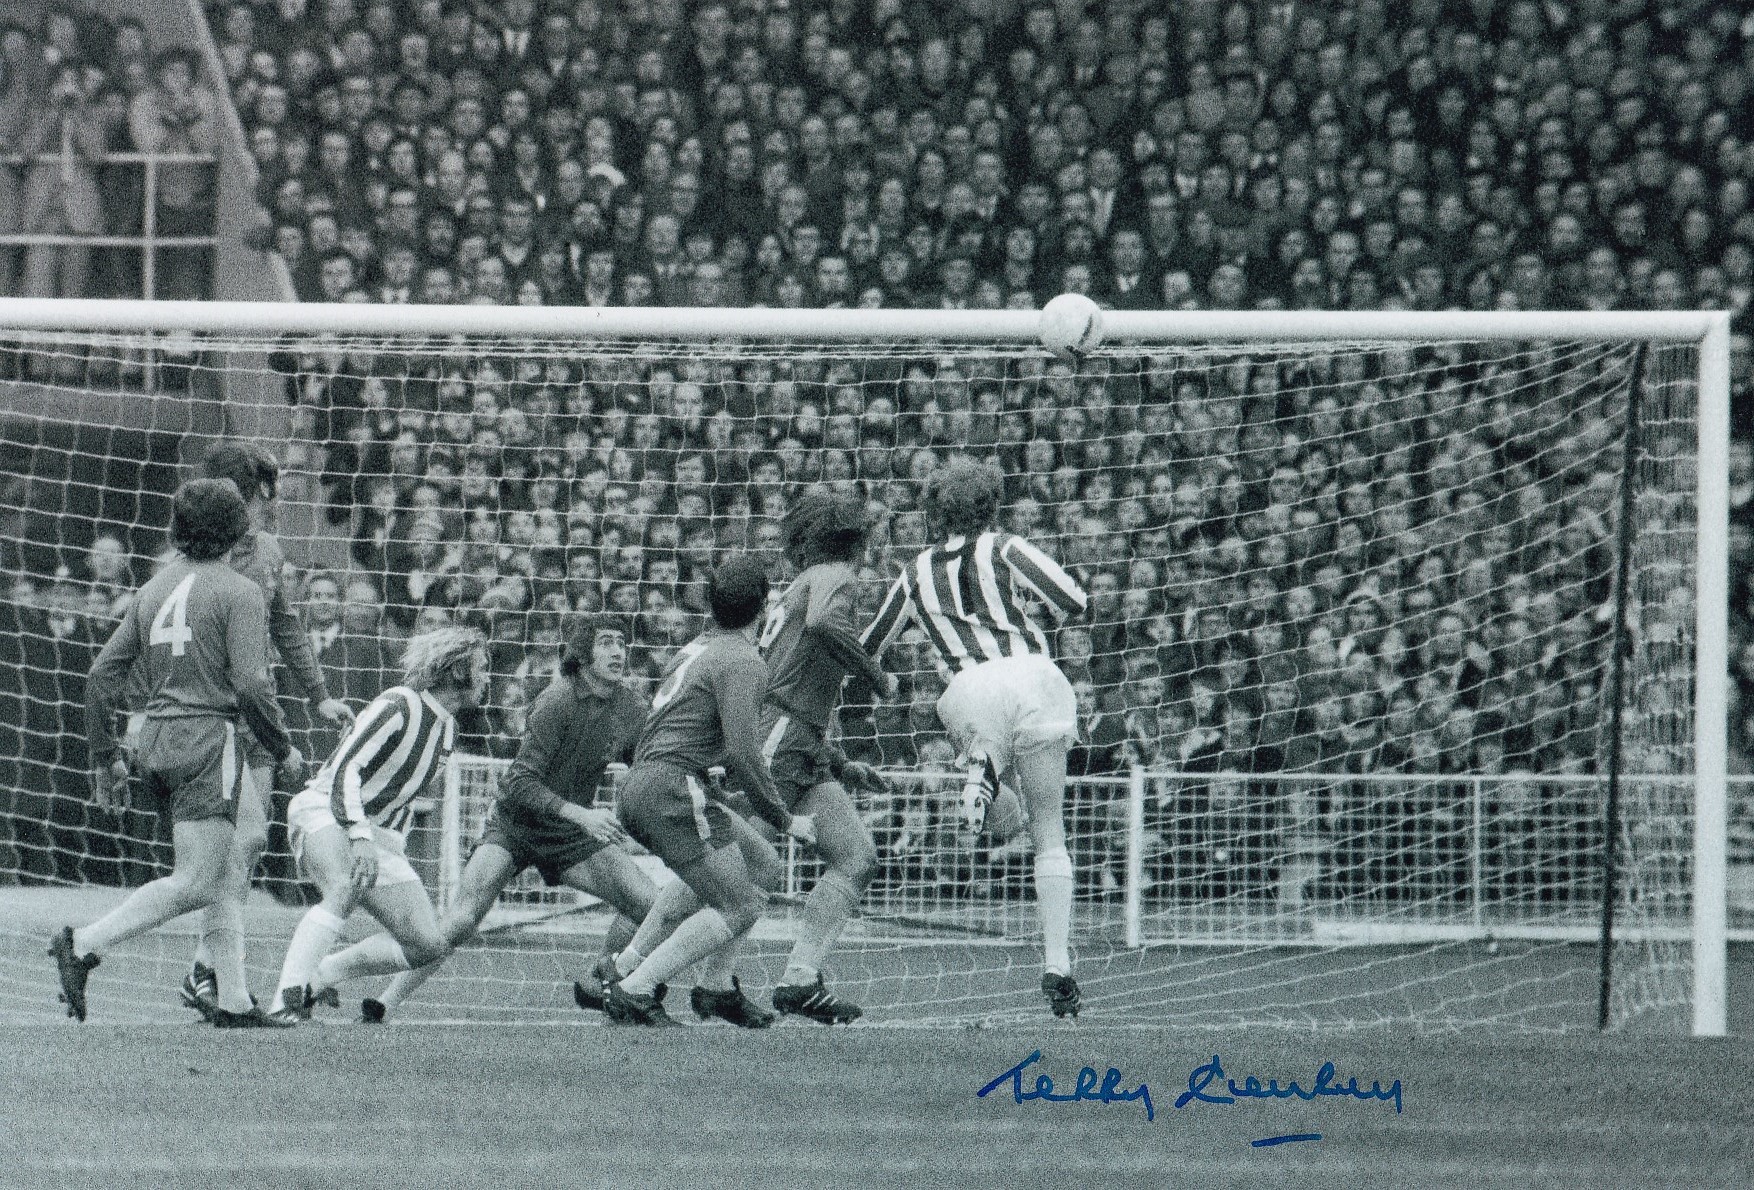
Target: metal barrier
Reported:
point(148, 241)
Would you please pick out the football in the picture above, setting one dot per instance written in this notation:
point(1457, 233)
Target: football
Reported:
point(1070, 325)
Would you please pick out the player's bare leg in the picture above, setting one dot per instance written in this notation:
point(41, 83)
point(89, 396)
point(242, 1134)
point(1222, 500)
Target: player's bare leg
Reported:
point(676, 902)
point(844, 843)
point(218, 979)
point(490, 868)
point(326, 860)
point(201, 847)
point(1040, 774)
point(411, 938)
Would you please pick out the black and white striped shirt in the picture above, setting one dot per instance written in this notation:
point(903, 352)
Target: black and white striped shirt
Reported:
point(386, 759)
point(972, 597)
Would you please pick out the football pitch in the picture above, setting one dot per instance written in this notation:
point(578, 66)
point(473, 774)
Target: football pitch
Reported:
point(142, 1096)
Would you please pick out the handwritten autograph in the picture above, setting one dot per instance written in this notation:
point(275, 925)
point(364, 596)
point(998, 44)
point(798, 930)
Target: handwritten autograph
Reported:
point(1207, 1083)
point(1204, 1076)
point(1085, 1089)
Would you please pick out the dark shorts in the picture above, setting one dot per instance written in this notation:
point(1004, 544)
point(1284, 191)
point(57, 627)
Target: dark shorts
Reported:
point(794, 754)
point(194, 767)
point(669, 814)
point(552, 849)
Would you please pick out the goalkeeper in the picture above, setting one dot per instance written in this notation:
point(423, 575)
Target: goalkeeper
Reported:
point(545, 816)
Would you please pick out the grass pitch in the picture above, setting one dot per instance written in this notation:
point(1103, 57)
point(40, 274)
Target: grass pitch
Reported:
point(802, 1105)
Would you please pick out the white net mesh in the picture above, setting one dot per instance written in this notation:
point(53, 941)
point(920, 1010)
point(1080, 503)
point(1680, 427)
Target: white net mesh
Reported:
point(1344, 686)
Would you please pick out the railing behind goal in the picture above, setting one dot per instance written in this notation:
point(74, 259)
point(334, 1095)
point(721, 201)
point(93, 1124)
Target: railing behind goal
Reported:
point(1394, 615)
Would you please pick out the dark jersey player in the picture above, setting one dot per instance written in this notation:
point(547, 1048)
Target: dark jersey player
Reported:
point(546, 816)
point(706, 712)
point(198, 633)
point(217, 975)
point(812, 644)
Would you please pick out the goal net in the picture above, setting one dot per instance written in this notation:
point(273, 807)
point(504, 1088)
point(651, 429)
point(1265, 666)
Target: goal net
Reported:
point(1393, 619)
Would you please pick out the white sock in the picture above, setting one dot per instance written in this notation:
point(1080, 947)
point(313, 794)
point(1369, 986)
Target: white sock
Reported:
point(627, 960)
point(222, 933)
point(826, 911)
point(378, 955)
point(311, 941)
point(147, 907)
point(716, 973)
point(406, 984)
point(674, 904)
point(1053, 894)
point(693, 940)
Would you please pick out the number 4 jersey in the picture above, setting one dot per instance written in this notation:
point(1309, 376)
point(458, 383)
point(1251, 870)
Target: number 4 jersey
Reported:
point(199, 632)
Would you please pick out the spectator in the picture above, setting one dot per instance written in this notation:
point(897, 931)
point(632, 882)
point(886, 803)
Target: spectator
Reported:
point(64, 139)
point(180, 116)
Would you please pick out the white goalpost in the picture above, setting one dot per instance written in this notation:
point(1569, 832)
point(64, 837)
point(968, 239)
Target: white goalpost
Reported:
point(1405, 688)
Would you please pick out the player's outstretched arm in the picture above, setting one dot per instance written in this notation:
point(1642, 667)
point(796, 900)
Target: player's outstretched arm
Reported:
point(829, 617)
point(891, 617)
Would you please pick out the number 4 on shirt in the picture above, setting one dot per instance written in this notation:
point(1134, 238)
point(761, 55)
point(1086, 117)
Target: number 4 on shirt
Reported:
point(171, 625)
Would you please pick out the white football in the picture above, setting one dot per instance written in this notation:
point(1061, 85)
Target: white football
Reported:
point(1070, 325)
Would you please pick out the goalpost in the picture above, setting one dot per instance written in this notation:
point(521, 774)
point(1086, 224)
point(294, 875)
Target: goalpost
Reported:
point(1406, 679)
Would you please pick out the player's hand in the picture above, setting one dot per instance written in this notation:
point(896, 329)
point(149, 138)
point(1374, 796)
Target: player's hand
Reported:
point(336, 712)
point(975, 800)
point(364, 871)
point(289, 774)
point(716, 777)
point(598, 823)
point(802, 828)
point(110, 785)
point(890, 688)
point(856, 774)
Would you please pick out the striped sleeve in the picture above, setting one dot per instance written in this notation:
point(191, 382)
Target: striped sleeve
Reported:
point(891, 616)
point(373, 736)
point(1043, 577)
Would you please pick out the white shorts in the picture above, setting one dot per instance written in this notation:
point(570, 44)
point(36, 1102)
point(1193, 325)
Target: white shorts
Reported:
point(1008, 707)
point(309, 813)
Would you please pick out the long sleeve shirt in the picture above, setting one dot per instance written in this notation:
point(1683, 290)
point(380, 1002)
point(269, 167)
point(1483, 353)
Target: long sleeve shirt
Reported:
point(198, 632)
point(707, 711)
point(811, 645)
point(259, 558)
point(572, 733)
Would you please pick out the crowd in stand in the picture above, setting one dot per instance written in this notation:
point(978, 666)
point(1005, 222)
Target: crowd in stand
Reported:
point(73, 91)
point(1363, 562)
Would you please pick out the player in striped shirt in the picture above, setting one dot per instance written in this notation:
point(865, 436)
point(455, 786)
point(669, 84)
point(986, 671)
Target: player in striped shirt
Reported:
point(545, 817)
point(812, 645)
point(348, 828)
point(1007, 708)
point(219, 954)
point(197, 634)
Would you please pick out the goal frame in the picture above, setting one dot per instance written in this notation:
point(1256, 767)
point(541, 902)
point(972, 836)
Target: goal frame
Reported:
point(1708, 331)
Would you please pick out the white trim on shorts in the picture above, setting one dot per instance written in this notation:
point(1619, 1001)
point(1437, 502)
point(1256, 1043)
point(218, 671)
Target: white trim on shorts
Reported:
point(770, 747)
point(697, 802)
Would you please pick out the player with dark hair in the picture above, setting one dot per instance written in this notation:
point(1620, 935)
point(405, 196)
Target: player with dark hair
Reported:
point(198, 631)
point(812, 645)
point(219, 955)
point(586, 722)
point(707, 708)
point(349, 826)
point(1008, 708)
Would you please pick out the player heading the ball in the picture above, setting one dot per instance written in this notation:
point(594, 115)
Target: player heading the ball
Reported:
point(348, 828)
point(1008, 709)
point(199, 633)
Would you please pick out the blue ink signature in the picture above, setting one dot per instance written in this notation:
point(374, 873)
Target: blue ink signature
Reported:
point(1212, 1072)
point(1085, 1089)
